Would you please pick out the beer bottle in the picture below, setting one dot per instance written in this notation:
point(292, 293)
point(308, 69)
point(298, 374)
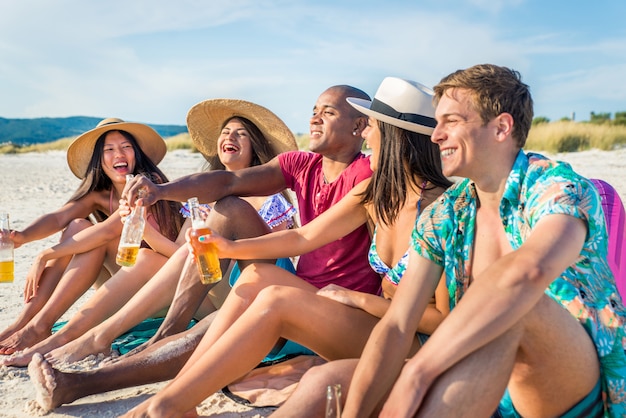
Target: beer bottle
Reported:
point(7, 264)
point(132, 234)
point(206, 254)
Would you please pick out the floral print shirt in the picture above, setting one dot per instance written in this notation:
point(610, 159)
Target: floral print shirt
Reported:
point(539, 187)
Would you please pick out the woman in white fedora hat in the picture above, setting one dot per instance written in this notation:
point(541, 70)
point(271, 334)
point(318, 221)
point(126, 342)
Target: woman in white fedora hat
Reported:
point(334, 322)
point(231, 134)
point(85, 255)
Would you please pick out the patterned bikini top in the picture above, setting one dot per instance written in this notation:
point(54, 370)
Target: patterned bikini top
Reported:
point(391, 274)
point(274, 211)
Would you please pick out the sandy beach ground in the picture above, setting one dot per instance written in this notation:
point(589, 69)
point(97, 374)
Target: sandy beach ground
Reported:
point(36, 183)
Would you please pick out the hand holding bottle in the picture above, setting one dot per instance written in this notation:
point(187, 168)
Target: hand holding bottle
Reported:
point(205, 253)
point(123, 209)
point(141, 190)
point(132, 234)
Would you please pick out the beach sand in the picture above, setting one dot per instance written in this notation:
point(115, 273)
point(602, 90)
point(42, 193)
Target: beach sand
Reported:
point(36, 183)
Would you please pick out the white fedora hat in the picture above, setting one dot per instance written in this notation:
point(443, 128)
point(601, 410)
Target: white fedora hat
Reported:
point(402, 103)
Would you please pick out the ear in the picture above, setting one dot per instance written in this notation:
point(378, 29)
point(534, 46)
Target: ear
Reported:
point(360, 124)
point(504, 126)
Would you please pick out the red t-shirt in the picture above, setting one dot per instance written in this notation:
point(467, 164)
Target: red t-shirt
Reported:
point(343, 262)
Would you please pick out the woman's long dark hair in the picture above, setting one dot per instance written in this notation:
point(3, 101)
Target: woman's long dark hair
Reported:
point(167, 213)
point(406, 159)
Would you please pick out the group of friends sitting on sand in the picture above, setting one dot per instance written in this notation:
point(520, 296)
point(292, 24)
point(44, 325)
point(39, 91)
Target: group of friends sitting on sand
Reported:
point(446, 273)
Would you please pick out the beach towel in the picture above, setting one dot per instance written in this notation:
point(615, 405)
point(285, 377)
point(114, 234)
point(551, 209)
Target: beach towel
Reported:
point(615, 216)
point(135, 336)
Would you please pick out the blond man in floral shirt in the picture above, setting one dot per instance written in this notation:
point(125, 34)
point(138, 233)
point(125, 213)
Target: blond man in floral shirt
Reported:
point(537, 324)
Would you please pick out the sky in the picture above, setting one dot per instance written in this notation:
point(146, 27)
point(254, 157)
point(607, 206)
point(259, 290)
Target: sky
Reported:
point(150, 61)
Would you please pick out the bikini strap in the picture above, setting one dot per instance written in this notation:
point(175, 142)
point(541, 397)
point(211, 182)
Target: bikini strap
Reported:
point(419, 202)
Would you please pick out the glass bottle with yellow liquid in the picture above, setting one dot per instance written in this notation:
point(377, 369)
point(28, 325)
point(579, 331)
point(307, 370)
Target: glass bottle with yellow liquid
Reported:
point(7, 264)
point(132, 234)
point(206, 254)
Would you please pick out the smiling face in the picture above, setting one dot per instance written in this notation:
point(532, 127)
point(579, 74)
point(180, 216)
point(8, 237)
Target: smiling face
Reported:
point(463, 139)
point(118, 157)
point(332, 123)
point(371, 134)
point(234, 147)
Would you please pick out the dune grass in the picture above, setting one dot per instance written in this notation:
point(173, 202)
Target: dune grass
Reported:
point(553, 137)
point(567, 136)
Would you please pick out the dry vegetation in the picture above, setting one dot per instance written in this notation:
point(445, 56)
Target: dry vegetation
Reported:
point(550, 137)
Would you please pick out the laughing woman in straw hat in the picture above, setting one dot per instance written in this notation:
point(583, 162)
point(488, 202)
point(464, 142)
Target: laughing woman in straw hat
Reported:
point(231, 134)
point(85, 255)
point(334, 322)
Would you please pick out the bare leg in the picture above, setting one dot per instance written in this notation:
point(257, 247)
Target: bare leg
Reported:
point(548, 373)
point(154, 296)
point(106, 300)
point(309, 398)
point(233, 218)
point(80, 275)
point(157, 363)
point(329, 328)
point(49, 280)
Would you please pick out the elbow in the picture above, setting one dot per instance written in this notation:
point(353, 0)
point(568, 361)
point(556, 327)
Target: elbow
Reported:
point(524, 270)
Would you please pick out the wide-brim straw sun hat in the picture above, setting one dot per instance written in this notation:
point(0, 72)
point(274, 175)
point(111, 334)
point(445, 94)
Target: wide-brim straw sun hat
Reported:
point(81, 149)
point(206, 119)
point(403, 103)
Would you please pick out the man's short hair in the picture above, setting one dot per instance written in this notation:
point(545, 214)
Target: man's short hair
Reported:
point(494, 90)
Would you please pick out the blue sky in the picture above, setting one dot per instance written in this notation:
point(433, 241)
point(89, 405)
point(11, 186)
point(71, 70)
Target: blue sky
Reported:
point(151, 60)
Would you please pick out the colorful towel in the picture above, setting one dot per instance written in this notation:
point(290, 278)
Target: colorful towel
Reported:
point(134, 337)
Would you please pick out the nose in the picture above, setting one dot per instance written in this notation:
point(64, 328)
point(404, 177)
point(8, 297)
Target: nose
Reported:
point(315, 119)
point(437, 135)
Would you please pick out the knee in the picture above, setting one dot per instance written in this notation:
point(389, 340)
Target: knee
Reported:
point(74, 227)
point(230, 204)
point(234, 218)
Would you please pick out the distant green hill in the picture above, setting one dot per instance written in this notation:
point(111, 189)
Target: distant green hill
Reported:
point(41, 130)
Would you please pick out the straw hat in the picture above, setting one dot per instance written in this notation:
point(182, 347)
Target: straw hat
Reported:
point(206, 119)
point(81, 149)
point(402, 103)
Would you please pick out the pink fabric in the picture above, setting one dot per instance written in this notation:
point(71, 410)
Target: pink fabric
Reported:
point(344, 261)
point(616, 228)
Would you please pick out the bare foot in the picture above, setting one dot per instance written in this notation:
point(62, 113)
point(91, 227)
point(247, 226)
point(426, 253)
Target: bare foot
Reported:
point(24, 338)
point(18, 359)
point(43, 377)
point(78, 349)
point(10, 330)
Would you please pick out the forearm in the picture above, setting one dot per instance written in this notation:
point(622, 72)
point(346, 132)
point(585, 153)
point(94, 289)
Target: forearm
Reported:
point(287, 243)
point(158, 242)
point(372, 304)
point(206, 186)
point(386, 348)
point(81, 242)
point(41, 228)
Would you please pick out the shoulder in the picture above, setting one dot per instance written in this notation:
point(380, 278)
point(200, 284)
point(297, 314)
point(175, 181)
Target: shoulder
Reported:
point(360, 168)
point(298, 157)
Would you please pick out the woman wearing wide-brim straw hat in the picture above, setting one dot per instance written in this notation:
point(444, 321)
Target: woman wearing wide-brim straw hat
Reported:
point(206, 119)
point(85, 255)
point(237, 134)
